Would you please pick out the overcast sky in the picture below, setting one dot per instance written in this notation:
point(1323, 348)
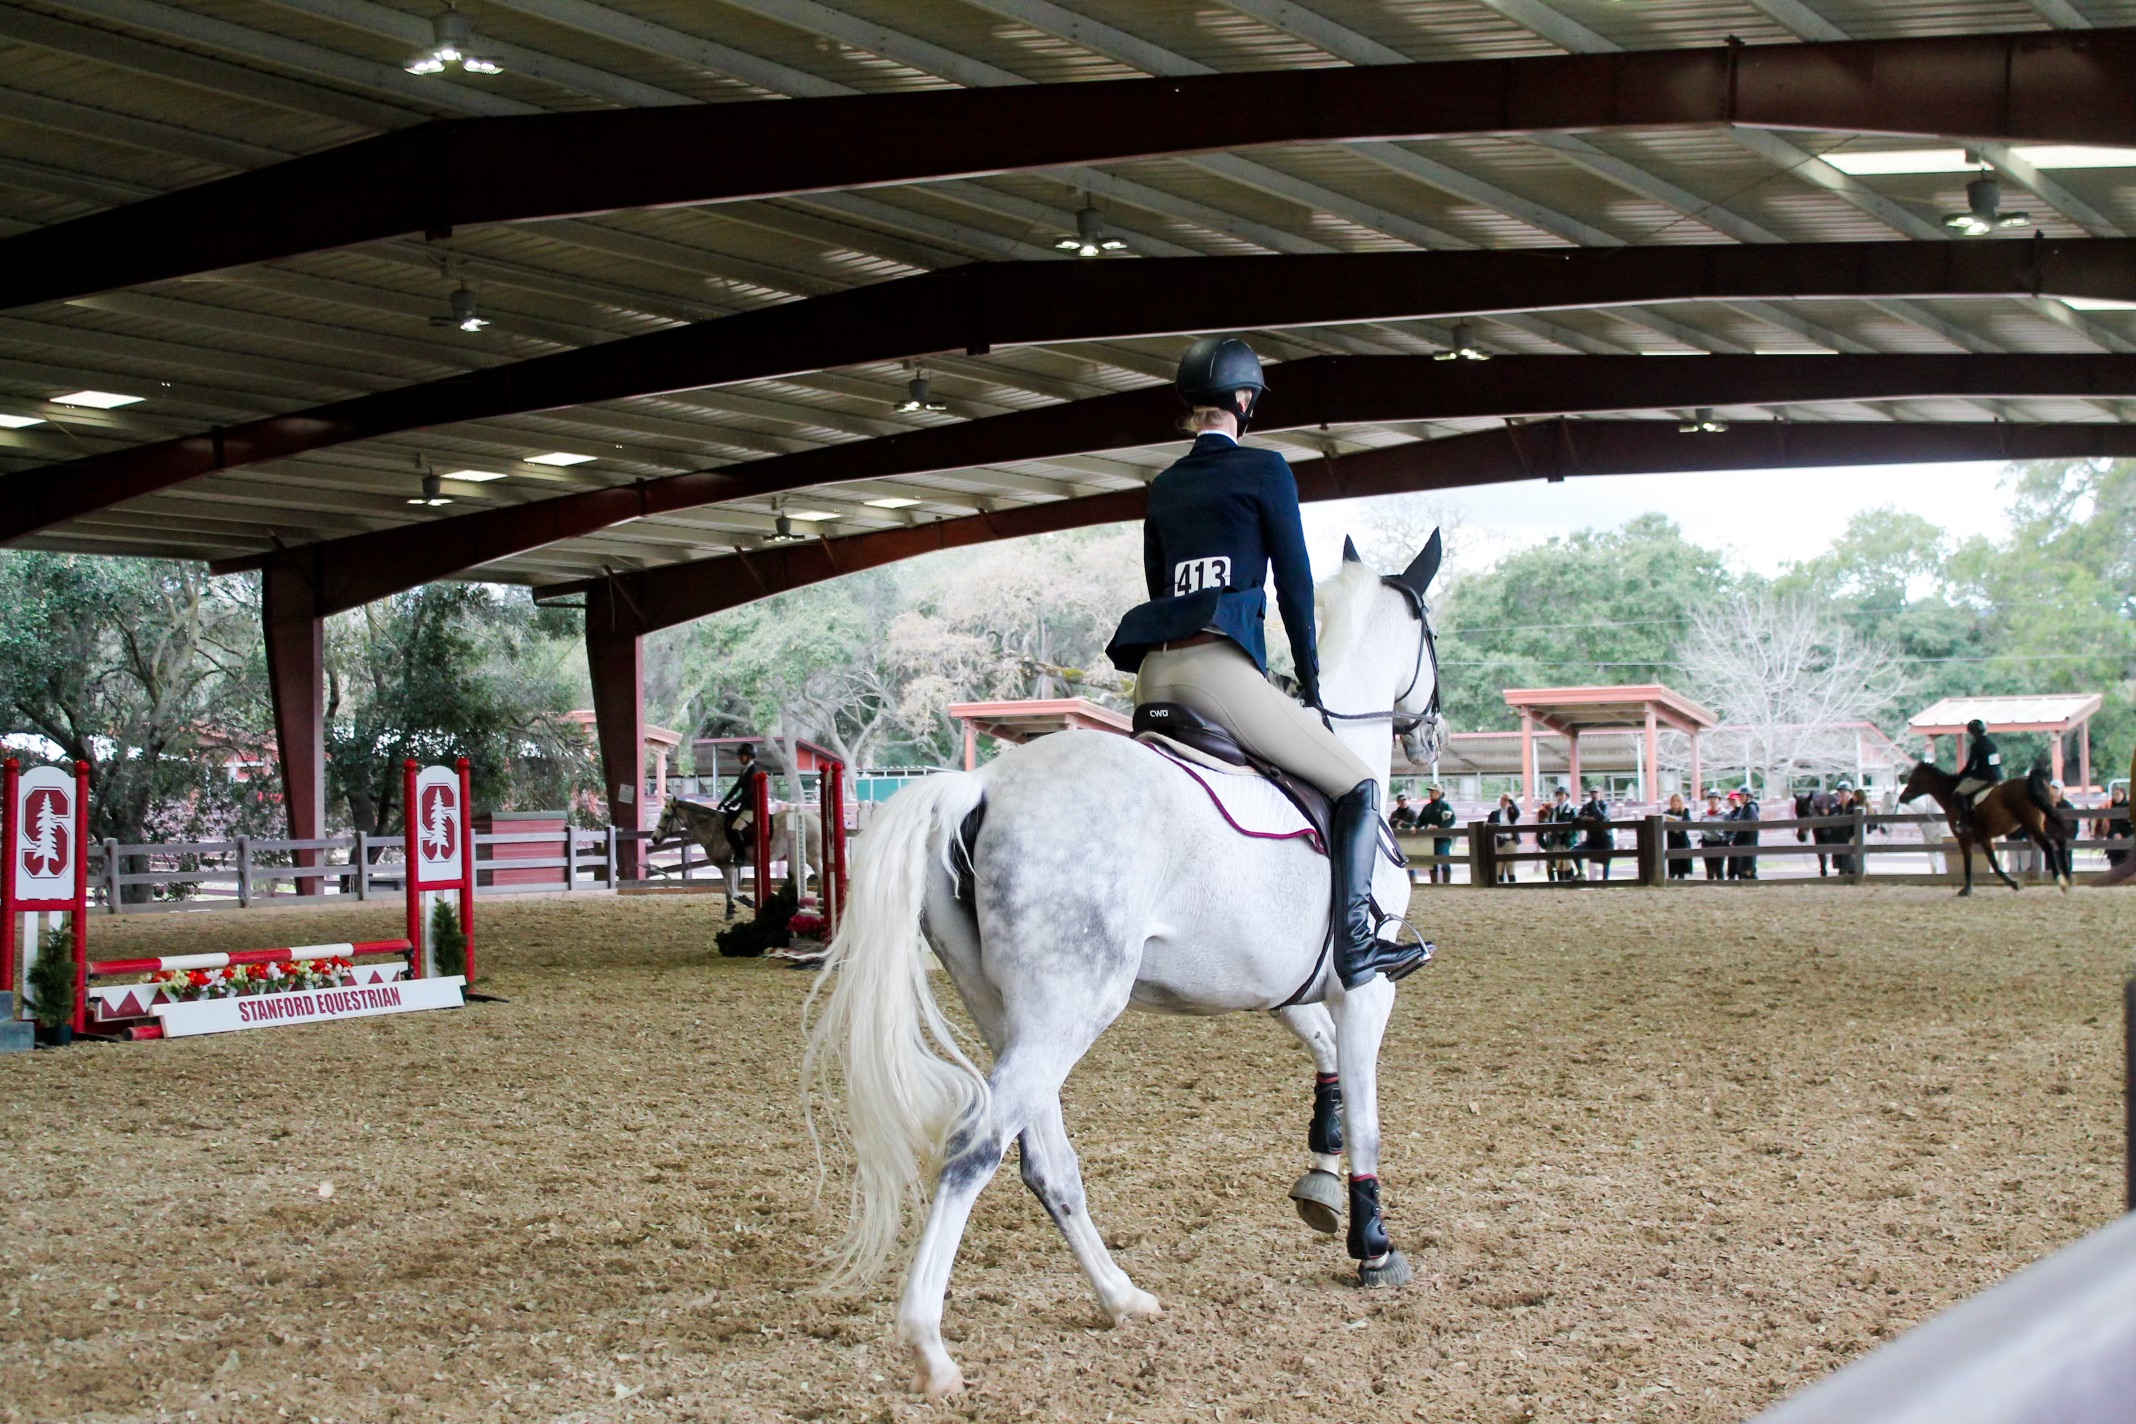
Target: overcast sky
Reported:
point(1762, 518)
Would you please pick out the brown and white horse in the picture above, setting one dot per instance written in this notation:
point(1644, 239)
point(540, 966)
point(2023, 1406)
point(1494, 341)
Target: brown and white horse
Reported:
point(707, 826)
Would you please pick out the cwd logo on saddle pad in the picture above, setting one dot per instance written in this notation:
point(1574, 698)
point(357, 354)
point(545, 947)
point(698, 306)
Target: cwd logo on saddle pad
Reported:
point(436, 824)
point(46, 849)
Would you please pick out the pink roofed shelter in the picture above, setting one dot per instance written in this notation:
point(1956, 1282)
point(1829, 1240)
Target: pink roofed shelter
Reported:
point(1571, 711)
point(1022, 721)
point(2056, 713)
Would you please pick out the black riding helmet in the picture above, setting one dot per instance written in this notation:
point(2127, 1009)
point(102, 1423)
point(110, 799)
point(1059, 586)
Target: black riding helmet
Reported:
point(1214, 368)
point(1977, 727)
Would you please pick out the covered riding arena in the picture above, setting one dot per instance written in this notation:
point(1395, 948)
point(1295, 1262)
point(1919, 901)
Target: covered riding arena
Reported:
point(660, 310)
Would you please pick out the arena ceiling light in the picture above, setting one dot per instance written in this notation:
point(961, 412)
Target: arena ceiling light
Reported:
point(1091, 238)
point(463, 314)
point(2095, 304)
point(456, 44)
point(1983, 211)
point(474, 477)
point(917, 397)
point(23, 422)
point(559, 458)
point(97, 400)
point(810, 516)
point(891, 501)
point(1871, 163)
point(1463, 346)
point(433, 492)
point(1703, 422)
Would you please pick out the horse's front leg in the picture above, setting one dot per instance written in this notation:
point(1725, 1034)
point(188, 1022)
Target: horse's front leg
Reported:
point(1361, 1016)
point(1318, 1194)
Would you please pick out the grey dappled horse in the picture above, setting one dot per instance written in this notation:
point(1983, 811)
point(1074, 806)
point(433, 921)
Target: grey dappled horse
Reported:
point(1072, 878)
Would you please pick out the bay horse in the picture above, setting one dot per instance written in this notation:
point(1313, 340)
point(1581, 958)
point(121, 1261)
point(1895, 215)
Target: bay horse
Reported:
point(2026, 806)
point(1072, 878)
point(707, 826)
point(1812, 804)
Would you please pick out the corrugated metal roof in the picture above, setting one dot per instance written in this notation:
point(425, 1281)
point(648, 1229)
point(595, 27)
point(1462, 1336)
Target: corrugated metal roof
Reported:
point(2002, 712)
point(101, 103)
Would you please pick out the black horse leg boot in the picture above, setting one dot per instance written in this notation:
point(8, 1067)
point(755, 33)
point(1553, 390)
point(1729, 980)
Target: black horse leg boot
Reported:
point(1359, 951)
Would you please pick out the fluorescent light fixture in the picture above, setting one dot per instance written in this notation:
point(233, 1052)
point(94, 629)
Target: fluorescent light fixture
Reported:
point(21, 422)
point(559, 457)
point(893, 501)
point(2095, 304)
point(2074, 155)
point(1901, 160)
point(810, 516)
point(1703, 422)
point(1954, 160)
point(97, 400)
point(473, 477)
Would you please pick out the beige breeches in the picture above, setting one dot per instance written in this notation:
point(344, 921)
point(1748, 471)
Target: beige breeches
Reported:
point(1219, 681)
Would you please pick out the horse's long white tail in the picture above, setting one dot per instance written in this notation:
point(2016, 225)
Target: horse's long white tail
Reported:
point(907, 1084)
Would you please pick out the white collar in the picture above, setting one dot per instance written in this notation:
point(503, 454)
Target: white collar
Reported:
point(1219, 434)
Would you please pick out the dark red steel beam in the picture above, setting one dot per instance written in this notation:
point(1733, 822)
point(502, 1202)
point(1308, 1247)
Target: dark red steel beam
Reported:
point(1005, 304)
point(1323, 390)
point(2075, 87)
point(652, 599)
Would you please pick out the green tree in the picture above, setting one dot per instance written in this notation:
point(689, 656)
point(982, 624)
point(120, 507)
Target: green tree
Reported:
point(147, 669)
point(1606, 606)
point(450, 670)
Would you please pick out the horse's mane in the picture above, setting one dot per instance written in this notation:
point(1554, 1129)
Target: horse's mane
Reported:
point(1340, 602)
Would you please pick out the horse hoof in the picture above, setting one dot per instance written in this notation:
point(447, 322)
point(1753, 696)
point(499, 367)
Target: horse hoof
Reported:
point(937, 1381)
point(1392, 1270)
point(1320, 1200)
point(1135, 1305)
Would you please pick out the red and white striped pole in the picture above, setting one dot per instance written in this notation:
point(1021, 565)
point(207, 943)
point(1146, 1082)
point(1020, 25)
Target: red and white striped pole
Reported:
point(80, 916)
point(467, 873)
point(408, 857)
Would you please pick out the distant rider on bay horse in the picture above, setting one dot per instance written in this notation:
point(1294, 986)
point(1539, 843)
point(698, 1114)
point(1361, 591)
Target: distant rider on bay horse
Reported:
point(1982, 770)
point(739, 804)
point(1218, 519)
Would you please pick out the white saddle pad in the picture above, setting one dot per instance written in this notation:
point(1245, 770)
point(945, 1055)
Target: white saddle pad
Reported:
point(1245, 798)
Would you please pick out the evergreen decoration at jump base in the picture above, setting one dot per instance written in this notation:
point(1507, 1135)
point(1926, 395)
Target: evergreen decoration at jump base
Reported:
point(44, 868)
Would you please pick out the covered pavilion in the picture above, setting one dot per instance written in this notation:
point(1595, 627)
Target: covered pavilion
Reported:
point(279, 302)
point(2060, 715)
point(1026, 720)
point(1571, 712)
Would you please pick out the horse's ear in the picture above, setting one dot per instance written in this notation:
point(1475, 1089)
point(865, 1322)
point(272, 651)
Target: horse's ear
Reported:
point(1425, 566)
point(1349, 551)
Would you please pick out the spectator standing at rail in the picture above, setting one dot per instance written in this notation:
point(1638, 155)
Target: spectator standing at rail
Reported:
point(1744, 867)
point(1505, 842)
point(1437, 814)
point(1711, 837)
point(1599, 839)
point(1850, 804)
point(2114, 825)
point(1562, 814)
point(1677, 813)
point(1405, 815)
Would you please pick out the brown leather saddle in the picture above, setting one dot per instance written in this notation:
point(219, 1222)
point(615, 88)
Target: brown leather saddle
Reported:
point(1176, 722)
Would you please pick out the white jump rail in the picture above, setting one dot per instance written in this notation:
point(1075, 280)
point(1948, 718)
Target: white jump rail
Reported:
point(2054, 1344)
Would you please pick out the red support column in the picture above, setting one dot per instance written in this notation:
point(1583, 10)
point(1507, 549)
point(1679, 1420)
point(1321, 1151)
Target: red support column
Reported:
point(615, 658)
point(2055, 756)
point(2084, 754)
point(1650, 778)
point(296, 679)
point(1527, 760)
point(1572, 764)
point(763, 843)
point(1698, 770)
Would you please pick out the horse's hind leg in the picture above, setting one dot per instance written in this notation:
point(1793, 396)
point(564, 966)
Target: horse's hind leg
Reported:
point(1987, 847)
point(1360, 1022)
point(1318, 1194)
point(1027, 1077)
point(1054, 1176)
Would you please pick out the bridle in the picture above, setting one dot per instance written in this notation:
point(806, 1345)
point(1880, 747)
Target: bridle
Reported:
point(1407, 725)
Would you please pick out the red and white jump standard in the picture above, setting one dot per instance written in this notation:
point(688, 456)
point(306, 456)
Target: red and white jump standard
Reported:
point(44, 839)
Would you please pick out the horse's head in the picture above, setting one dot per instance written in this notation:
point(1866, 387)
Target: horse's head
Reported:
point(1922, 782)
point(671, 822)
point(1378, 657)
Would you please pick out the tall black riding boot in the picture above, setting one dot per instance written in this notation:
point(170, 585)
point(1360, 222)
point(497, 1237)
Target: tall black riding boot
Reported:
point(1359, 951)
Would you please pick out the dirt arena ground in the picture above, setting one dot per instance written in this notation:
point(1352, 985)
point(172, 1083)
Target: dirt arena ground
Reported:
point(1655, 1155)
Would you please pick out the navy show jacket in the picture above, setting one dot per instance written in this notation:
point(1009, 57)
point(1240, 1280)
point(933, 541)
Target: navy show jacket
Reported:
point(1218, 518)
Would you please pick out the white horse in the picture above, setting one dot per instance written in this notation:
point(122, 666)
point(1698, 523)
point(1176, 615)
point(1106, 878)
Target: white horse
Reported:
point(1070, 879)
point(708, 828)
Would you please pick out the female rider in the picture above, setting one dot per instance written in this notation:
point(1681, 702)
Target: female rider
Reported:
point(1217, 520)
